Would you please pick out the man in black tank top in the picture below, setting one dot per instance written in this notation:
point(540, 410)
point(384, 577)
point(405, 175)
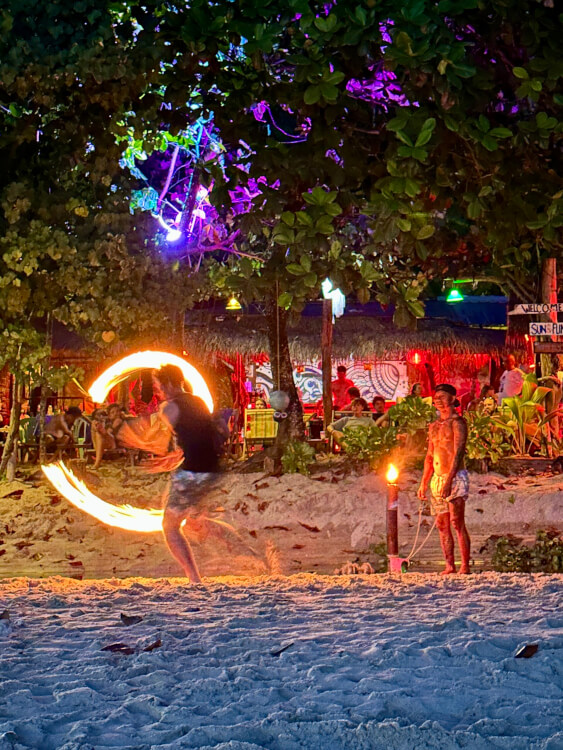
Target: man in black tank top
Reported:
point(188, 419)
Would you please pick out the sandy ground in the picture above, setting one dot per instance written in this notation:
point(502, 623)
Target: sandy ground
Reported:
point(316, 524)
point(298, 663)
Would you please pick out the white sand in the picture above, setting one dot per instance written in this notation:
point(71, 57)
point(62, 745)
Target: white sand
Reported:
point(378, 663)
point(316, 524)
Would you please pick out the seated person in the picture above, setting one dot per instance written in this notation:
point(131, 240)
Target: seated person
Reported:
point(358, 419)
point(106, 424)
point(379, 415)
point(351, 394)
point(58, 431)
point(486, 403)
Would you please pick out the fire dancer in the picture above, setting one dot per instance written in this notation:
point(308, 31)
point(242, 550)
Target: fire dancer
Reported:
point(449, 482)
point(188, 420)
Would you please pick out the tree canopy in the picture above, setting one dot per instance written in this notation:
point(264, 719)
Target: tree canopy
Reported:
point(383, 147)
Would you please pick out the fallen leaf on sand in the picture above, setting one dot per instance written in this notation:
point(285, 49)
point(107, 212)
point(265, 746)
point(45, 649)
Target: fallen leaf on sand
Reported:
point(130, 619)
point(119, 648)
point(152, 646)
point(262, 486)
point(278, 651)
point(14, 493)
point(483, 492)
point(298, 546)
point(22, 545)
point(76, 563)
point(526, 651)
point(309, 528)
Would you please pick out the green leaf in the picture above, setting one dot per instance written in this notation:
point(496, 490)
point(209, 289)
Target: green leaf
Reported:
point(363, 296)
point(288, 218)
point(412, 187)
point(489, 143)
point(306, 262)
point(285, 300)
point(501, 133)
point(296, 269)
point(310, 280)
point(520, 73)
point(402, 136)
point(397, 123)
point(419, 153)
point(425, 232)
point(404, 225)
point(416, 308)
point(312, 95)
point(423, 137)
point(483, 124)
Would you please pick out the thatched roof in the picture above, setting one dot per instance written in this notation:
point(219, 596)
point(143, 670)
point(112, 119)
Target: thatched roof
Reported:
point(362, 337)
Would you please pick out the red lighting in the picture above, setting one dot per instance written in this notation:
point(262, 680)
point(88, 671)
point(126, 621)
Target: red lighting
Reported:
point(416, 358)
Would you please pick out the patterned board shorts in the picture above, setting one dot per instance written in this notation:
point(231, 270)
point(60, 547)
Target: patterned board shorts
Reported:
point(460, 488)
point(188, 488)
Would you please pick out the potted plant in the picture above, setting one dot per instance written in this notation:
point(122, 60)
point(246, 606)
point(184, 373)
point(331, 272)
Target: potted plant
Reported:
point(523, 418)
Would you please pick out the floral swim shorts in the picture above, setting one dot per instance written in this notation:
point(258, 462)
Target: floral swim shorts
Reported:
point(460, 488)
point(188, 488)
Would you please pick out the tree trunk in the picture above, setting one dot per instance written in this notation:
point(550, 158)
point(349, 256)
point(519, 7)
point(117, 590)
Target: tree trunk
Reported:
point(43, 399)
point(42, 419)
point(548, 296)
point(293, 427)
point(11, 444)
point(326, 356)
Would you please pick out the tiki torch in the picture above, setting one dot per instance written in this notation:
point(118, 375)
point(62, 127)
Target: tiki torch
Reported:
point(392, 504)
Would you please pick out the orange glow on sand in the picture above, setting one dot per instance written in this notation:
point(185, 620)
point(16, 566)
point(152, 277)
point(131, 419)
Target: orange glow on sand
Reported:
point(392, 474)
point(148, 360)
point(121, 516)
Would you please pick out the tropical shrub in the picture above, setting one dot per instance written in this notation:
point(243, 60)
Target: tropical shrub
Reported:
point(297, 457)
point(546, 555)
point(486, 439)
point(411, 414)
point(369, 443)
point(523, 416)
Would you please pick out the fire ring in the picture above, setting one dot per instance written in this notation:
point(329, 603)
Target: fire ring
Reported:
point(75, 491)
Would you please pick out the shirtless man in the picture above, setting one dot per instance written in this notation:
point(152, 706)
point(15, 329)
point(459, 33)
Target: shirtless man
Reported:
point(58, 431)
point(449, 482)
point(187, 418)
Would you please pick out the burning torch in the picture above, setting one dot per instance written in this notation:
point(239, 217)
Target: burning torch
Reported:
point(396, 564)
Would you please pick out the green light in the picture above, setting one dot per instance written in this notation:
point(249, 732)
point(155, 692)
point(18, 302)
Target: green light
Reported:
point(454, 295)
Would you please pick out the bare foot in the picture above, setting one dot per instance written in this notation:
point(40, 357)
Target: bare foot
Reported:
point(464, 570)
point(448, 571)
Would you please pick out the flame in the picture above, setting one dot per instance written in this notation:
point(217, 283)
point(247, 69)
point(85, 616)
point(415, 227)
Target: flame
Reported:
point(121, 516)
point(392, 474)
point(148, 359)
point(127, 517)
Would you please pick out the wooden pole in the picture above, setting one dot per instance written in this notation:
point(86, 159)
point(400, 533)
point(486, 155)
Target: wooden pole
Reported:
point(326, 357)
point(548, 296)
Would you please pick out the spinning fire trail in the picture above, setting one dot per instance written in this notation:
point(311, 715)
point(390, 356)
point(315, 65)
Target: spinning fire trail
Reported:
point(61, 477)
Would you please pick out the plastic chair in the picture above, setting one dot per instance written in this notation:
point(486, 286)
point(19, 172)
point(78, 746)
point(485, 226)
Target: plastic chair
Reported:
point(81, 434)
point(27, 439)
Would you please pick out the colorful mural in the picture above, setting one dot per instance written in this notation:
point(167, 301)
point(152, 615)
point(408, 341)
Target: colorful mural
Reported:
point(387, 379)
